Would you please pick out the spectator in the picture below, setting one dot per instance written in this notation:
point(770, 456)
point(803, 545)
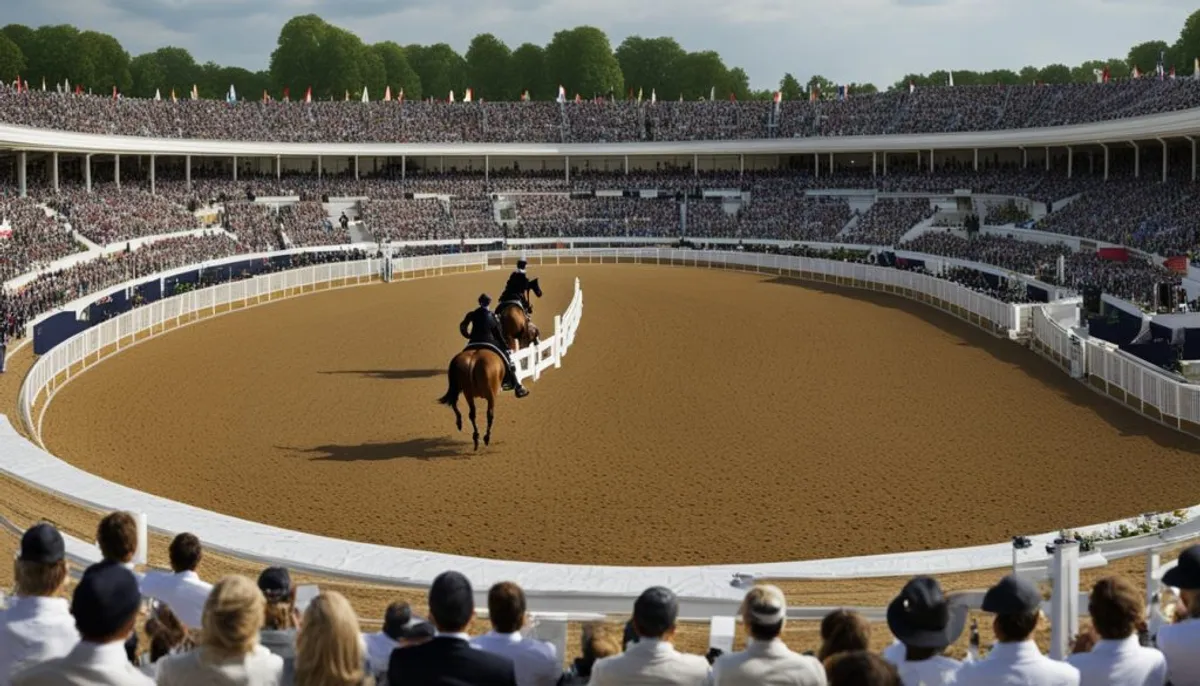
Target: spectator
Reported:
point(843, 631)
point(860, 668)
point(228, 652)
point(766, 660)
point(37, 626)
point(535, 661)
point(1117, 609)
point(117, 536)
point(449, 657)
point(167, 636)
point(925, 621)
point(182, 590)
point(1180, 642)
point(105, 606)
point(280, 617)
point(597, 643)
point(329, 651)
point(1015, 658)
point(652, 659)
point(401, 629)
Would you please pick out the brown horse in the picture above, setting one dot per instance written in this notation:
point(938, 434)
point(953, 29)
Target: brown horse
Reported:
point(475, 373)
point(519, 331)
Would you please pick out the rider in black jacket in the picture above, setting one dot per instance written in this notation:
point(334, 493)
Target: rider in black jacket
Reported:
point(482, 326)
point(517, 286)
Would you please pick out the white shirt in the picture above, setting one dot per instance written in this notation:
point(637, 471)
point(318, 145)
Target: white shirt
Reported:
point(767, 663)
point(259, 667)
point(1121, 662)
point(935, 671)
point(379, 651)
point(895, 652)
point(1181, 644)
point(88, 664)
point(33, 630)
point(1018, 663)
point(535, 662)
point(184, 593)
point(651, 662)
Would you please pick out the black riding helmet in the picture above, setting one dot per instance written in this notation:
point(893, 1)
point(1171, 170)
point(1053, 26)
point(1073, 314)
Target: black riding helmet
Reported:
point(484, 300)
point(521, 264)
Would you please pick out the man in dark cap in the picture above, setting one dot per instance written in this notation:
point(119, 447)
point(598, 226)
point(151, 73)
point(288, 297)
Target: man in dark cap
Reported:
point(37, 626)
point(1015, 659)
point(401, 629)
point(1180, 641)
point(105, 606)
point(652, 660)
point(449, 659)
point(926, 623)
point(481, 328)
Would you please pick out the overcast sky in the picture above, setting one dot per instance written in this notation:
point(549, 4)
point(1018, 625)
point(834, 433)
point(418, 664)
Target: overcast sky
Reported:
point(846, 40)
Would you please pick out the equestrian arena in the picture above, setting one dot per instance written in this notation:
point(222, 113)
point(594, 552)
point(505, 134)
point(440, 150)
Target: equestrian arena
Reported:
point(702, 417)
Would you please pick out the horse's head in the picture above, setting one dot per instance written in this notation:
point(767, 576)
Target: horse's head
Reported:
point(536, 288)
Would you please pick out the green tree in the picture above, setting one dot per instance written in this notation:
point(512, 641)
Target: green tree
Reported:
point(53, 55)
point(700, 73)
point(1086, 72)
point(863, 89)
point(529, 72)
point(739, 84)
point(441, 69)
point(100, 63)
point(650, 64)
point(1185, 50)
point(299, 60)
point(12, 60)
point(581, 60)
point(149, 76)
point(790, 88)
point(825, 87)
point(1029, 75)
point(1145, 56)
point(1055, 73)
point(23, 37)
point(490, 68)
point(400, 74)
point(1006, 77)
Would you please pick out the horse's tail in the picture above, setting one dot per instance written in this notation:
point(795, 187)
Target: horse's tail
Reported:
point(451, 396)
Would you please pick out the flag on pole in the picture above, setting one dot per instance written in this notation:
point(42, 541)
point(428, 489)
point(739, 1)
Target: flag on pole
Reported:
point(525, 96)
point(157, 95)
point(778, 97)
point(1099, 75)
point(911, 86)
point(467, 95)
point(347, 98)
point(173, 98)
point(364, 96)
point(1172, 71)
point(231, 96)
point(562, 94)
point(451, 97)
point(400, 97)
point(1107, 74)
point(387, 94)
point(578, 99)
point(43, 84)
point(1196, 69)
point(1137, 73)
point(1160, 67)
point(950, 78)
point(78, 89)
point(114, 92)
point(308, 95)
point(653, 96)
point(287, 94)
point(195, 92)
point(266, 97)
point(712, 94)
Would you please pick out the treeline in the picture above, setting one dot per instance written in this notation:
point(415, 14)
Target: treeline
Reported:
point(310, 52)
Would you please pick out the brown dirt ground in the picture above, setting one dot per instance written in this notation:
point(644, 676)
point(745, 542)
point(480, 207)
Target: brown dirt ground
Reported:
point(926, 432)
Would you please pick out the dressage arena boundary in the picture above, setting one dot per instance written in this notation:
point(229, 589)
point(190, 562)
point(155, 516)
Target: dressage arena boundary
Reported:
point(560, 587)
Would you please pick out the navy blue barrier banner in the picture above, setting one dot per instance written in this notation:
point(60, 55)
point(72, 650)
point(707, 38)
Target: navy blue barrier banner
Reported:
point(54, 330)
point(107, 308)
point(149, 291)
point(171, 282)
point(1157, 353)
point(1037, 294)
point(1191, 344)
point(1115, 326)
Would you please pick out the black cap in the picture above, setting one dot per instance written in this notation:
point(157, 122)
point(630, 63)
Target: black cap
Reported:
point(43, 544)
point(655, 611)
point(399, 623)
point(484, 299)
point(1012, 596)
point(451, 601)
point(275, 583)
point(1186, 572)
point(521, 264)
point(922, 617)
point(106, 598)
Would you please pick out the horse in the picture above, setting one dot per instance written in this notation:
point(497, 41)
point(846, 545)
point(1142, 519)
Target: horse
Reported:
point(475, 373)
point(519, 331)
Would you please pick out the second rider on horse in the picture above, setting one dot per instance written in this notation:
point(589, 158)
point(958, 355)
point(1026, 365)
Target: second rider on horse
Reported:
point(481, 327)
point(518, 286)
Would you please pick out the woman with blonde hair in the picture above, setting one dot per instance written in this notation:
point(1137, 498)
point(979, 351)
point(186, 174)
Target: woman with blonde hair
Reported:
point(329, 646)
point(227, 652)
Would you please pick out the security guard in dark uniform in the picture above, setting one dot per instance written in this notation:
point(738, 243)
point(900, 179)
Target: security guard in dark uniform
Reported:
point(518, 285)
point(482, 326)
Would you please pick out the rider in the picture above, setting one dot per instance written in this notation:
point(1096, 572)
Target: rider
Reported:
point(485, 328)
point(516, 288)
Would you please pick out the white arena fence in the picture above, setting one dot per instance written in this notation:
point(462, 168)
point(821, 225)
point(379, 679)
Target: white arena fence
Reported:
point(706, 590)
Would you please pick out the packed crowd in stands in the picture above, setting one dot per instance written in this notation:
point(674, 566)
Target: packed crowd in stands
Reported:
point(406, 220)
point(926, 110)
point(1161, 218)
point(37, 238)
point(306, 224)
point(255, 225)
point(888, 220)
point(110, 215)
point(258, 632)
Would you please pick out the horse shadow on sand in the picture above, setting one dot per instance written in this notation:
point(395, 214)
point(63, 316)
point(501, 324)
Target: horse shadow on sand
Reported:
point(390, 374)
point(423, 449)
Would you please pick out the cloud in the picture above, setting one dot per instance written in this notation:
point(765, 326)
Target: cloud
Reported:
point(862, 41)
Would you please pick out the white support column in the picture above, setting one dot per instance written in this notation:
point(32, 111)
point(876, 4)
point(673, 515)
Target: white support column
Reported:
point(885, 156)
point(1105, 148)
point(187, 170)
point(831, 164)
point(1024, 158)
point(319, 170)
point(22, 159)
point(403, 167)
point(278, 167)
point(1047, 158)
point(153, 164)
point(742, 163)
point(1153, 562)
point(874, 163)
point(117, 171)
point(696, 166)
point(1064, 599)
point(54, 171)
point(1070, 161)
point(442, 164)
point(487, 167)
point(1192, 141)
point(1137, 160)
point(567, 169)
point(816, 165)
point(356, 168)
point(87, 172)
point(1164, 162)
point(626, 165)
point(976, 159)
point(931, 161)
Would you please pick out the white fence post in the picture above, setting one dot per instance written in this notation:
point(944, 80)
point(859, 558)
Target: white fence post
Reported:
point(1153, 562)
point(559, 340)
point(141, 556)
point(1064, 600)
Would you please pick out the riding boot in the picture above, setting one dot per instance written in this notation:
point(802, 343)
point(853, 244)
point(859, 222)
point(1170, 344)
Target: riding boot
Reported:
point(510, 379)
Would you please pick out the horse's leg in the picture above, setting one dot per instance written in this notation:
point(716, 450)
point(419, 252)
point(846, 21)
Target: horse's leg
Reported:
point(457, 415)
point(474, 428)
point(491, 403)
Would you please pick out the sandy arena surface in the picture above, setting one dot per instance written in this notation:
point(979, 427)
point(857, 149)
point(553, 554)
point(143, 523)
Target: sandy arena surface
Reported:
point(702, 417)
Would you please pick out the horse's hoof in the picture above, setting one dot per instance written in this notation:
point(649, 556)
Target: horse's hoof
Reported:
point(458, 424)
point(487, 440)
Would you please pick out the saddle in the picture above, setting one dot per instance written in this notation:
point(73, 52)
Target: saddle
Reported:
point(510, 370)
point(505, 304)
point(488, 346)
